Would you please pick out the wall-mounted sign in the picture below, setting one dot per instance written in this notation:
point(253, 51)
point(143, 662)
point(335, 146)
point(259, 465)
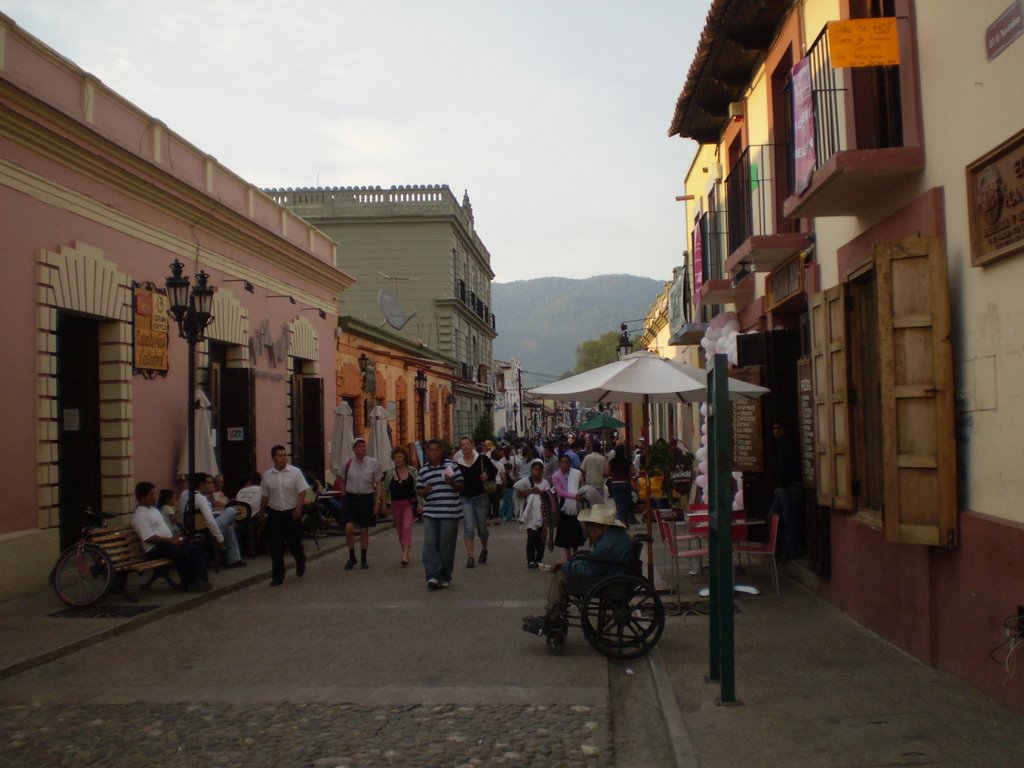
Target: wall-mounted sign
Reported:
point(785, 282)
point(234, 434)
point(863, 42)
point(805, 157)
point(747, 437)
point(1004, 30)
point(805, 396)
point(150, 338)
point(995, 202)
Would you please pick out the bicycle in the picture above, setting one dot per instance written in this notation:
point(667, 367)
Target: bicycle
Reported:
point(84, 573)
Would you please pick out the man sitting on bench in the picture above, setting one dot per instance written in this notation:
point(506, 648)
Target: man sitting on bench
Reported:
point(611, 548)
point(158, 541)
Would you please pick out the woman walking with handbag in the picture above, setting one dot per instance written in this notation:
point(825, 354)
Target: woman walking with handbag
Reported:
point(476, 504)
point(398, 490)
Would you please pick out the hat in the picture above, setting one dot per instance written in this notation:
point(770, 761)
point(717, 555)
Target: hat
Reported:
point(358, 440)
point(537, 461)
point(601, 514)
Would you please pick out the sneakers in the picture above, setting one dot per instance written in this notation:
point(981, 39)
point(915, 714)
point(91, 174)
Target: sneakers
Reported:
point(483, 557)
point(533, 564)
point(351, 563)
point(445, 584)
point(364, 565)
point(470, 563)
point(433, 584)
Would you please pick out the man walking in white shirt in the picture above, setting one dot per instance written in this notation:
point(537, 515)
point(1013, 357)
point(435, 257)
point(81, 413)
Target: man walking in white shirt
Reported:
point(282, 494)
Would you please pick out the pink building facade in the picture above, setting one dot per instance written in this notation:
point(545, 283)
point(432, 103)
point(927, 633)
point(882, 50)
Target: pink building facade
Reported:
point(98, 199)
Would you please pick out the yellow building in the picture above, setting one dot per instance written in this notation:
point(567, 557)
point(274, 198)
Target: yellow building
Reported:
point(858, 200)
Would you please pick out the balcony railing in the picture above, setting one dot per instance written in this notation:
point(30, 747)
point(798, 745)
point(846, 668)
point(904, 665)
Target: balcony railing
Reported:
point(750, 190)
point(712, 243)
point(877, 100)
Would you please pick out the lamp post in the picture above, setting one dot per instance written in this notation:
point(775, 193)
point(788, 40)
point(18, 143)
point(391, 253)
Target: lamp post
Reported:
point(193, 312)
point(515, 417)
point(421, 393)
point(625, 344)
point(488, 400)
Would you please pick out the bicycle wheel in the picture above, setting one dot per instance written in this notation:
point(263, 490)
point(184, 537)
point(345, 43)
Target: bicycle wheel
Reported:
point(83, 575)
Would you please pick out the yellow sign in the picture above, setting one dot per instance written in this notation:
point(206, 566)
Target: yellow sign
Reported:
point(863, 42)
point(150, 330)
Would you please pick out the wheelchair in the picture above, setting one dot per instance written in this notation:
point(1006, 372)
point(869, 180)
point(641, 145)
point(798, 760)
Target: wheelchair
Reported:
point(621, 616)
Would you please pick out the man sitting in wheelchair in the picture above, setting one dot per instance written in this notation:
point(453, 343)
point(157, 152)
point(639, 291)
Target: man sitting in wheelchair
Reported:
point(611, 548)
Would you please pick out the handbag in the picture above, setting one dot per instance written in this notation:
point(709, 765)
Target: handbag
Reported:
point(490, 487)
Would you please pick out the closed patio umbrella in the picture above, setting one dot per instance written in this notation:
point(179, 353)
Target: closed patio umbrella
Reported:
point(341, 441)
point(379, 444)
point(206, 457)
point(602, 421)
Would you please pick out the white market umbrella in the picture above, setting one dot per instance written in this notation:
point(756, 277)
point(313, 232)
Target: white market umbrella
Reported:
point(206, 457)
point(379, 444)
point(341, 442)
point(642, 377)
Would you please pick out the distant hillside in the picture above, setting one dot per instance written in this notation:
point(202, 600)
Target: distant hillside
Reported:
point(542, 321)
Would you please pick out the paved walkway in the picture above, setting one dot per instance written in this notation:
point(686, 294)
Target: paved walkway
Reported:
point(366, 668)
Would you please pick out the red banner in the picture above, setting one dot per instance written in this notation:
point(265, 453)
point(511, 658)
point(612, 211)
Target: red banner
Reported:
point(803, 127)
point(698, 265)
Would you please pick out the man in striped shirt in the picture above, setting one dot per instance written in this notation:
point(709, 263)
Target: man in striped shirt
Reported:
point(440, 482)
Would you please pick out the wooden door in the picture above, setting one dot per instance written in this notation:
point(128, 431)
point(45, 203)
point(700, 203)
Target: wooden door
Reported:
point(918, 416)
point(237, 425)
point(78, 422)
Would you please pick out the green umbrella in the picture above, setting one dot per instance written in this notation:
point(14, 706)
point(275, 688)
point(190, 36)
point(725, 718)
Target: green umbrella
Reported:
point(602, 421)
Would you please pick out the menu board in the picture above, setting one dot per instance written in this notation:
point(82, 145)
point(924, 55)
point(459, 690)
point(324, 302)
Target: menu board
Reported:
point(806, 407)
point(747, 431)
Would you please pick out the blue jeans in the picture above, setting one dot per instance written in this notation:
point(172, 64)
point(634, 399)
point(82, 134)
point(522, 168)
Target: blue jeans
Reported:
point(225, 523)
point(508, 505)
point(787, 503)
point(474, 517)
point(439, 538)
point(622, 493)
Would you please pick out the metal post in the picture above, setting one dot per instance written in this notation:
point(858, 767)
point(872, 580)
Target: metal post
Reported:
point(187, 516)
point(722, 628)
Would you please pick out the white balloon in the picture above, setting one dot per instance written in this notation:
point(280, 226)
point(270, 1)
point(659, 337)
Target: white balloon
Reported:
point(703, 467)
point(703, 439)
point(702, 453)
point(703, 409)
point(703, 429)
point(701, 481)
point(737, 475)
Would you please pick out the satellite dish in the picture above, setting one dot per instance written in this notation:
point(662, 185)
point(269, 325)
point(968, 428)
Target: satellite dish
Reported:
point(393, 311)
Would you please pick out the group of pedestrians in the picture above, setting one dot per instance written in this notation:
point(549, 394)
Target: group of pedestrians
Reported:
point(473, 488)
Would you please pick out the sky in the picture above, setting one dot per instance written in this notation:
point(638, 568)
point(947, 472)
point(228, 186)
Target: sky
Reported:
point(553, 115)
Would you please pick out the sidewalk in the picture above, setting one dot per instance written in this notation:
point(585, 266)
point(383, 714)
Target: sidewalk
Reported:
point(816, 689)
point(31, 634)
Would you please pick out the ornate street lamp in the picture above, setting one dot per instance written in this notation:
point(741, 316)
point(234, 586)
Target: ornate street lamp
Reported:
point(625, 344)
point(488, 400)
point(515, 417)
point(421, 393)
point(193, 312)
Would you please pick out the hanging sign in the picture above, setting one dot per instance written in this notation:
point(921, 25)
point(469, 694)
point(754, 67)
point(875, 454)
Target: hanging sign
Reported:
point(747, 438)
point(1004, 30)
point(805, 157)
point(863, 43)
point(149, 352)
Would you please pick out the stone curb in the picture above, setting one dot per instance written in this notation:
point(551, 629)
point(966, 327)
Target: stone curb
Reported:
point(679, 737)
point(193, 601)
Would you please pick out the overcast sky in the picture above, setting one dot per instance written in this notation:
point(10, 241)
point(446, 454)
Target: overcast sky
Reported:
point(554, 115)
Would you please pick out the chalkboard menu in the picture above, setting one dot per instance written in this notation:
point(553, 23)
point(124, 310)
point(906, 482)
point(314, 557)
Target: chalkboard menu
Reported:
point(747, 435)
point(806, 395)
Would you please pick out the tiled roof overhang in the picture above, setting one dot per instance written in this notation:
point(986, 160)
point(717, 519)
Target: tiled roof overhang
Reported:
point(736, 36)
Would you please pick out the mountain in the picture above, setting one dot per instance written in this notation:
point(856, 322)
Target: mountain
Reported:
point(542, 321)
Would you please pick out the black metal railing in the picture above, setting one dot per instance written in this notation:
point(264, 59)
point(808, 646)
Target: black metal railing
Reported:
point(877, 102)
point(750, 194)
point(712, 241)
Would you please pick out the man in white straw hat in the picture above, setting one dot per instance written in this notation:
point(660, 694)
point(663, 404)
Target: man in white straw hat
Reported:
point(608, 541)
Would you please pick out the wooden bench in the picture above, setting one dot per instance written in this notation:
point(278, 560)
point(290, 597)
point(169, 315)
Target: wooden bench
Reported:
point(125, 551)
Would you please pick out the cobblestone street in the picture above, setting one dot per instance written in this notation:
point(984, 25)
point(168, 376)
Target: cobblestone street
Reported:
point(340, 668)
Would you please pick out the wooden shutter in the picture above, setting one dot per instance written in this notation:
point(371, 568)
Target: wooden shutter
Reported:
point(237, 410)
point(831, 398)
point(298, 458)
point(918, 420)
